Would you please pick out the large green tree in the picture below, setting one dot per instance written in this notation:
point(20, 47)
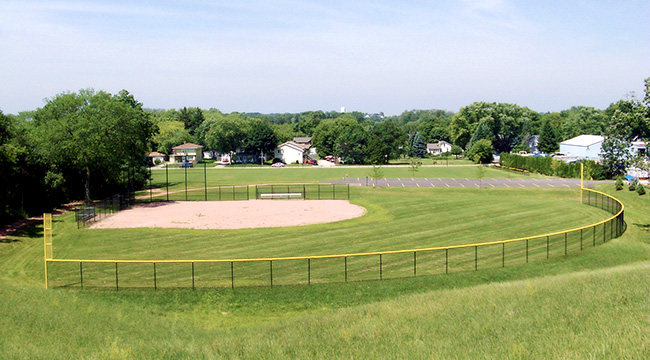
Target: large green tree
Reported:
point(92, 138)
point(170, 134)
point(259, 137)
point(326, 134)
point(616, 156)
point(501, 123)
point(351, 144)
point(224, 133)
point(581, 120)
point(481, 151)
point(384, 143)
point(11, 152)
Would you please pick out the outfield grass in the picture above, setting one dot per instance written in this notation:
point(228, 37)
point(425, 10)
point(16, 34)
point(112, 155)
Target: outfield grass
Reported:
point(197, 177)
point(396, 219)
point(592, 304)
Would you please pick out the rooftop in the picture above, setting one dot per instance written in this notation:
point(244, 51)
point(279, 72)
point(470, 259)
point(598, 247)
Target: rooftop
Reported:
point(188, 146)
point(584, 140)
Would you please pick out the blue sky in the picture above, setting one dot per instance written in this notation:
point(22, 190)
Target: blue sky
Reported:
point(293, 56)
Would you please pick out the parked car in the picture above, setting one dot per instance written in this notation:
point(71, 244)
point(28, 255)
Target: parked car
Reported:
point(278, 164)
point(187, 164)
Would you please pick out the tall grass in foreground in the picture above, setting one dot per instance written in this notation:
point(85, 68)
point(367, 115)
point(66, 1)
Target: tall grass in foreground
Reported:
point(588, 305)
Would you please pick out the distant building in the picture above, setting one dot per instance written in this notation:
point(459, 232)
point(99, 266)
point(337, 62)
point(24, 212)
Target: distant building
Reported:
point(585, 147)
point(533, 143)
point(439, 148)
point(156, 157)
point(639, 147)
point(297, 151)
point(187, 152)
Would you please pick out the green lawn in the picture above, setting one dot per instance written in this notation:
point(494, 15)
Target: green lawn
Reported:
point(589, 304)
point(196, 177)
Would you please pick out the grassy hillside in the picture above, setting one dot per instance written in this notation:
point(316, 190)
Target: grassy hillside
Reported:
point(592, 304)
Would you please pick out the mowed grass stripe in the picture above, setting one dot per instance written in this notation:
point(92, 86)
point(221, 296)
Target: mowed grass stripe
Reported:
point(397, 219)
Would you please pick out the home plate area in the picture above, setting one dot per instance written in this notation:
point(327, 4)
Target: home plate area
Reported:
point(231, 214)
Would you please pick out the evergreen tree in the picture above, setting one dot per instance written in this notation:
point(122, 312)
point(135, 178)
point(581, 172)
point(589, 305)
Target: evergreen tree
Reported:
point(549, 139)
point(418, 146)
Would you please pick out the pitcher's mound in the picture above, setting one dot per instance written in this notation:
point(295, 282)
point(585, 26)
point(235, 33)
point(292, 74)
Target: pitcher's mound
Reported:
point(231, 214)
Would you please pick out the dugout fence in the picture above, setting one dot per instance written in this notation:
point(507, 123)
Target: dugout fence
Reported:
point(307, 270)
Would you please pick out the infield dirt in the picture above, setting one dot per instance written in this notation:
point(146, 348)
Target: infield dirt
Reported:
point(231, 214)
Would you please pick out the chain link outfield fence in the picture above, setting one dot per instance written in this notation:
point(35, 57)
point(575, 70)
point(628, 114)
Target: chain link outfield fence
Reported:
point(158, 274)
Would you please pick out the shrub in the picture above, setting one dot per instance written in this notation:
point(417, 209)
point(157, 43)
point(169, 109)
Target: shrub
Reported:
point(632, 186)
point(619, 184)
point(640, 189)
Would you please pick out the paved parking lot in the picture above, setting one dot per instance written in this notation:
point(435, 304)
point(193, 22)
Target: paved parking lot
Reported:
point(436, 182)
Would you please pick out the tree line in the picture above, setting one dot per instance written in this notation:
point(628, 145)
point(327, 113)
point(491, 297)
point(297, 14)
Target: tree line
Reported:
point(91, 144)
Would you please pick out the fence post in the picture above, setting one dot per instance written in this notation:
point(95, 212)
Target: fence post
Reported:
point(346, 268)
point(381, 275)
point(150, 185)
point(192, 275)
point(415, 263)
point(526, 251)
point(475, 258)
point(232, 274)
point(116, 279)
point(155, 280)
point(205, 181)
point(580, 239)
point(308, 271)
point(271, 270)
point(81, 274)
point(594, 240)
point(548, 246)
point(566, 234)
point(446, 261)
point(185, 184)
point(503, 255)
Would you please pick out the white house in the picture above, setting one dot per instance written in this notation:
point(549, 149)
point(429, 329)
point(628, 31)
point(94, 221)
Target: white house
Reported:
point(583, 147)
point(296, 151)
point(439, 148)
point(639, 147)
point(290, 153)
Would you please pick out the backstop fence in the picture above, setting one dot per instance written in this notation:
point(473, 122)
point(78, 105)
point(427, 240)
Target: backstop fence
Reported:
point(195, 184)
point(89, 213)
point(158, 274)
point(94, 211)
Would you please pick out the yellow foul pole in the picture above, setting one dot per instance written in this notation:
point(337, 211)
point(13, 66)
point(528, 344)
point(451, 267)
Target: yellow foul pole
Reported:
point(47, 240)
